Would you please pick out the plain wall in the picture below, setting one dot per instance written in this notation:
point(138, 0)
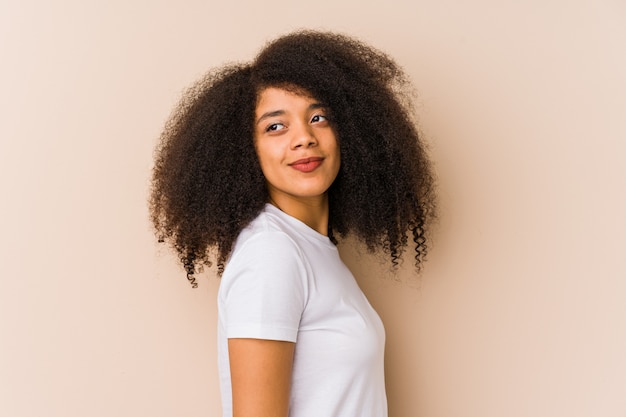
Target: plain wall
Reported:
point(521, 310)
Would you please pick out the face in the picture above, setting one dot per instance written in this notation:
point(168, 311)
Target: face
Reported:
point(296, 146)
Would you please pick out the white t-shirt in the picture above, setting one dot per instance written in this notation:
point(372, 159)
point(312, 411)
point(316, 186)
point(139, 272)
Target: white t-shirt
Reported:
point(285, 281)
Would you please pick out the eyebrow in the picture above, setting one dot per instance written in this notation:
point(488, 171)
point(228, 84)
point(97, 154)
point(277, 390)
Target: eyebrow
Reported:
point(275, 113)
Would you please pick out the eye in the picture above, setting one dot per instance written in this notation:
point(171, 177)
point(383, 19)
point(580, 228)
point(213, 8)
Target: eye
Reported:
point(319, 118)
point(275, 127)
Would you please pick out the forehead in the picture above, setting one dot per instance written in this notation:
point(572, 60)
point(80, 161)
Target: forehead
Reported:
point(272, 96)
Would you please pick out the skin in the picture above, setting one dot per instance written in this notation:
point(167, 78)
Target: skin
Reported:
point(289, 128)
point(260, 372)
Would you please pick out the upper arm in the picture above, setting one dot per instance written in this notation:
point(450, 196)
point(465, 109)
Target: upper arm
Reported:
point(260, 373)
point(263, 292)
point(262, 297)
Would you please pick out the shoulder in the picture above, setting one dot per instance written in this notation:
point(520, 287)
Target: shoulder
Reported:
point(266, 254)
point(267, 236)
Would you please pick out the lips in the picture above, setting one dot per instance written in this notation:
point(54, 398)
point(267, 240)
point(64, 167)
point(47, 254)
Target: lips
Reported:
point(307, 164)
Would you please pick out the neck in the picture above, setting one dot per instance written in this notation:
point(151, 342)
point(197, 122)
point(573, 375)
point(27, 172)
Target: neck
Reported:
point(311, 211)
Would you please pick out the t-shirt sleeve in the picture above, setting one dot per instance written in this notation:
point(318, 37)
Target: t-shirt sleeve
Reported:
point(263, 290)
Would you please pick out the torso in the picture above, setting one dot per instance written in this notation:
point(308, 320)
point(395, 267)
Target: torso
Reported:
point(285, 281)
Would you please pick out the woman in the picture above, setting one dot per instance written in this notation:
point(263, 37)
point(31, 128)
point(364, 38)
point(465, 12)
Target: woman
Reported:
point(263, 168)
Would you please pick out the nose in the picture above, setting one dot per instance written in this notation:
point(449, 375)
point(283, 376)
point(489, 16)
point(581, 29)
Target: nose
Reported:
point(303, 136)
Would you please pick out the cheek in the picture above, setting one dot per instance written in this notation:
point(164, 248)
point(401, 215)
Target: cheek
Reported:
point(266, 157)
point(336, 162)
point(337, 167)
point(337, 153)
point(260, 151)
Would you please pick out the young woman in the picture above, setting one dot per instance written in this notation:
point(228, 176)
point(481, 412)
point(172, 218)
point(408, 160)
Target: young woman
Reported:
point(262, 169)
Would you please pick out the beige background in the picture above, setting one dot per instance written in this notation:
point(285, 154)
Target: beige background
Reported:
point(521, 310)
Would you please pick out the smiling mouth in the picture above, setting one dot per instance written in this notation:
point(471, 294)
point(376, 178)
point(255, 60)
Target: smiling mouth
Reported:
point(307, 164)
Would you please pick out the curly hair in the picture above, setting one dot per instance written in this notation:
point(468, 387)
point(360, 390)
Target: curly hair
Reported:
point(207, 181)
